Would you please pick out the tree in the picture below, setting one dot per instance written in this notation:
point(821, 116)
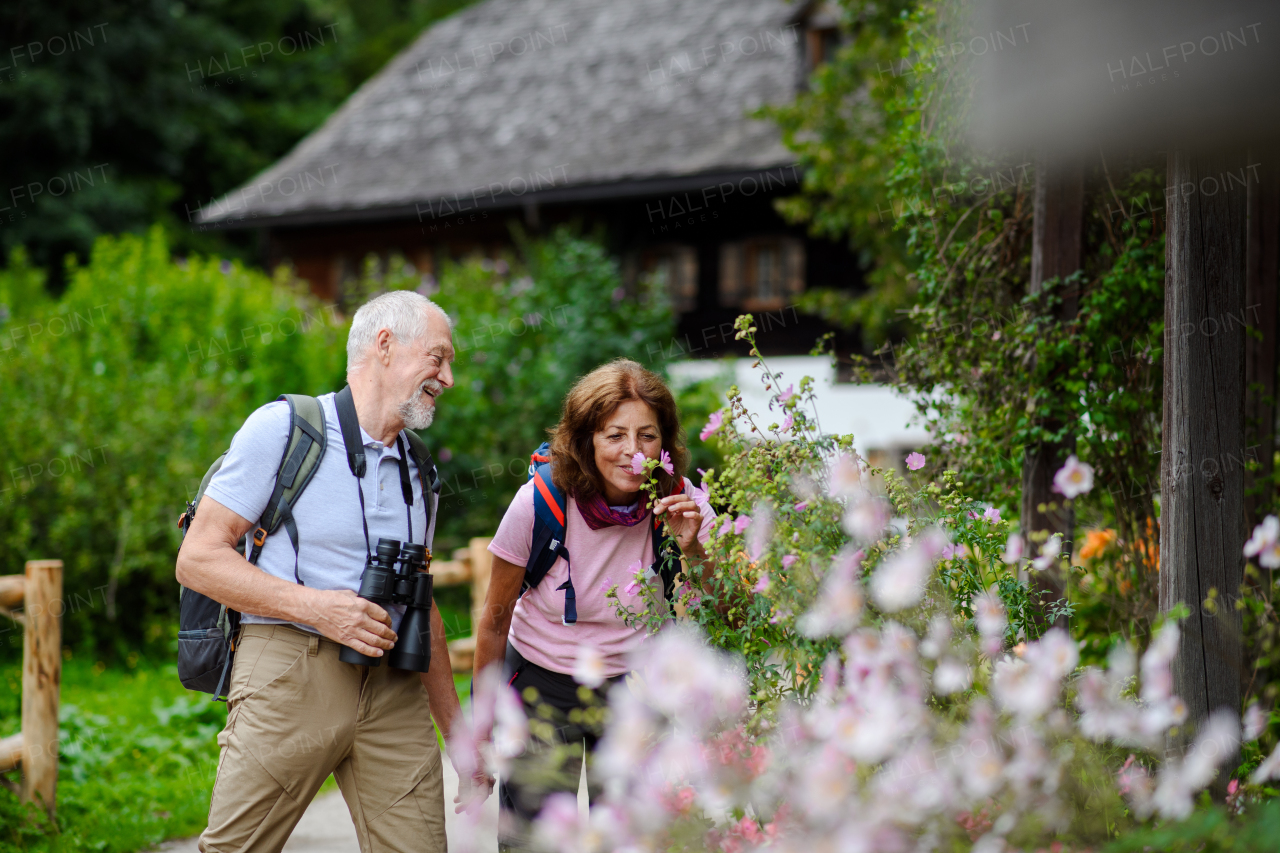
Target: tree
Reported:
point(116, 115)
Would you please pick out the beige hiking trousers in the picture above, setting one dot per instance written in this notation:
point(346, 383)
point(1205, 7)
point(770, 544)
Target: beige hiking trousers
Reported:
point(296, 714)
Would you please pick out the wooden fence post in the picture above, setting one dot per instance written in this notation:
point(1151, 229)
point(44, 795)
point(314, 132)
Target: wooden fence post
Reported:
point(1202, 476)
point(41, 680)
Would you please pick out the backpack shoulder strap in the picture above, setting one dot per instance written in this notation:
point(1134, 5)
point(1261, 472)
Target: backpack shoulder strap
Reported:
point(427, 476)
point(422, 458)
point(302, 453)
point(548, 525)
point(541, 456)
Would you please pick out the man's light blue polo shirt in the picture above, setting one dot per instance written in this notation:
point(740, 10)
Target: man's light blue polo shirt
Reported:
point(331, 543)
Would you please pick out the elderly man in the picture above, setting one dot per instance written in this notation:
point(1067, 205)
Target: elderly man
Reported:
point(296, 713)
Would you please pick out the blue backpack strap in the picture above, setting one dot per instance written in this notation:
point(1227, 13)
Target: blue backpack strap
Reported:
point(549, 507)
point(541, 456)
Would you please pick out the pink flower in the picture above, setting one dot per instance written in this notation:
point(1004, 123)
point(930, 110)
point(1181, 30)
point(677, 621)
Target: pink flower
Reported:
point(604, 587)
point(802, 506)
point(726, 527)
point(741, 523)
point(991, 514)
point(1013, 549)
point(665, 463)
point(637, 463)
point(786, 425)
point(1075, 478)
point(632, 588)
point(762, 585)
point(1049, 553)
point(787, 394)
point(788, 561)
point(701, 496)
point(713, 424)
point(915, 461)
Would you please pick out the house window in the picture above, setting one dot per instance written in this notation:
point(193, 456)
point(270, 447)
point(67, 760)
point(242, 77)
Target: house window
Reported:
point(762, 273)
point(821, 45)
point(676, 269)
point(822, 37)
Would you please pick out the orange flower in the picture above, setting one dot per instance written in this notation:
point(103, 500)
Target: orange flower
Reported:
point(1095, 542)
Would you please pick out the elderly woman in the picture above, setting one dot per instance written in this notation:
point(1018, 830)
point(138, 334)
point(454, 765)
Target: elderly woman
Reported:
point(611, 414)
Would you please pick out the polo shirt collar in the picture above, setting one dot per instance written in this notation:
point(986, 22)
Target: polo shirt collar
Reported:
point(370, 441)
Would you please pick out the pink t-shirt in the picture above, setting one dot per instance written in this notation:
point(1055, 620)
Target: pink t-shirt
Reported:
point(601, 558)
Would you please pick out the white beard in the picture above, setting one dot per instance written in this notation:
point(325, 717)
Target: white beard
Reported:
point(416, 412)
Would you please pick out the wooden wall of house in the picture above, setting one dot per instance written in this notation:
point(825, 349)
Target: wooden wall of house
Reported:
point(720, 257)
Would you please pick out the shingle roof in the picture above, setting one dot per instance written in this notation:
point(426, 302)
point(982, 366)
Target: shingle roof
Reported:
point(510, 96)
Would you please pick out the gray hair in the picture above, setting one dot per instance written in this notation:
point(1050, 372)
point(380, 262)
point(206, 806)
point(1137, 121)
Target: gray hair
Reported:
point(401, 312)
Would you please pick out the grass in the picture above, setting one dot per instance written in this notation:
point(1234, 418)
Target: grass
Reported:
point(137, 763)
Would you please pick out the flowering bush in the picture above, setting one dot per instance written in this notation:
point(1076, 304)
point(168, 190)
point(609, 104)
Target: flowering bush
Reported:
point(862, 669)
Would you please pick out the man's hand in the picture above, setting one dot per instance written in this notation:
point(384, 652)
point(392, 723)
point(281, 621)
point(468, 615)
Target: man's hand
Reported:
point(357, 623)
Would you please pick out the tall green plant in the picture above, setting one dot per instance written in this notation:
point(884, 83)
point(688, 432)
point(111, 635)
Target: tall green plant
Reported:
point(117, 396)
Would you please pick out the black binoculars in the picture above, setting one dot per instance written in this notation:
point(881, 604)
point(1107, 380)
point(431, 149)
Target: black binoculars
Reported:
point(410, 585)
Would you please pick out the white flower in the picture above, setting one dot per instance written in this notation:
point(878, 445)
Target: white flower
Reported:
point(951, 676)
point(899, 581)
point(1255, 720)
point(588, 668)
point(989, 615)
point(1268, 769)
point(1157, 674)
point(1049, 553)
point(1013, 549)
point(1073, 479)
point(866, 518)
point(839, 603)
point(761, 530)
point(847, 476)
point(1055, 652)
point(1022, 689)
point(1180, 780)
point(685, 679)
point(1265, 543)
point(827, 784)
point(939, 637)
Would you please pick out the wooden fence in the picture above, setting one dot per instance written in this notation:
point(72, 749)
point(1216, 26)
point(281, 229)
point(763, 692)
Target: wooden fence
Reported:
point(35, 748)
point(471, 565)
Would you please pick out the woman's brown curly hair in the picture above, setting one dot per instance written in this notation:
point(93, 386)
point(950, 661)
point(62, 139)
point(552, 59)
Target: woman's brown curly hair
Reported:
point(591, 400)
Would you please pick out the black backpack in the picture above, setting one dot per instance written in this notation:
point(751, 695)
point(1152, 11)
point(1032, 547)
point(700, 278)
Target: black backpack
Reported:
point(207, 629)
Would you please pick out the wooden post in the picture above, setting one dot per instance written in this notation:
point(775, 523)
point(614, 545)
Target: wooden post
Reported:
point(1202, 524)
point(41, 680)
point(1261, 308)
point(1056, 250)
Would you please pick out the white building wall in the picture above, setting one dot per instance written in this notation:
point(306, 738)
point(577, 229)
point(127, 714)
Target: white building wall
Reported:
point(880, 419)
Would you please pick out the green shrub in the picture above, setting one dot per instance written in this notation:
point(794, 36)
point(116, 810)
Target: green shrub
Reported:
point(117, 397)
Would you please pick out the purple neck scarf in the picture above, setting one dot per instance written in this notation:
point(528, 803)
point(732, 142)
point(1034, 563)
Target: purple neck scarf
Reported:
point(598, 514)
